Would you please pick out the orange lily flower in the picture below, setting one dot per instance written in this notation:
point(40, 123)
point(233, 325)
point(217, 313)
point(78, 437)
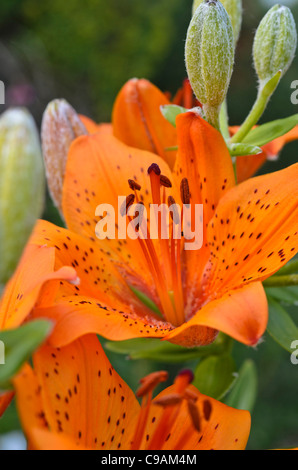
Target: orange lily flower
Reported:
point(138, 122)
point(74, 399)
point(249, 233)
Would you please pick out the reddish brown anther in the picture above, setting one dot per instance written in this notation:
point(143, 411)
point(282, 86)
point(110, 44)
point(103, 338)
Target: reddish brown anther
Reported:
point(184, 191)
point(164, 181)
point(126, 204)
point(171, 399)
point(207, 409)
point(134, 186)
point(194, 414)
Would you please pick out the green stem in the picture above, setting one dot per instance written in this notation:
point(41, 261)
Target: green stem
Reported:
point(265, 92)
point(212, 115)
point(224, 120)
point(281, 281)
point(290, 268)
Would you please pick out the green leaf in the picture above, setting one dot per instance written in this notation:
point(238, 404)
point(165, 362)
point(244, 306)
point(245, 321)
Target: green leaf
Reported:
point(244, 394)
point(215, 376)
point(242, 150)
point(171, 111)
point(271, 130)
point(281, 326)
point(160, 351)
point(19, 344)
point(286, 295)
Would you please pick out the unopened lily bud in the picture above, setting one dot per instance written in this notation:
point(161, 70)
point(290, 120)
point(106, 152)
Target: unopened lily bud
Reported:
point(22, 185)
point(209, 55)
point(234, 10)
point(61, 125)
point(275, 43)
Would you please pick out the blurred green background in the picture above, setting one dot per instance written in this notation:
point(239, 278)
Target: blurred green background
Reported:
point(84, 52)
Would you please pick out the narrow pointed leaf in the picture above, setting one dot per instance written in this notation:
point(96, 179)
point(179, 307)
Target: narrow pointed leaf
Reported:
point(281, 326)
point(271, 130)
point(215, 376)
point(19, 344)
point(286, 295)
point(244, 393)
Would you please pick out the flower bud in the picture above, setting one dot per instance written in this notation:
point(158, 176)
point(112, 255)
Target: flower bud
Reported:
point(234, 10)
point(209, 55)
point(21, 185)
point(275, 43)
point(61, 125)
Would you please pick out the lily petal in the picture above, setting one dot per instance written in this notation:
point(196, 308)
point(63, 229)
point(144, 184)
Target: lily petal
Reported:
point(138, 122)
point(98, 276)
point(203, 158)
point(5, 400)
point(83, 398)
point(78, 315)
point(92, 127)
point(254, 231)
point(35, 269)
point(241, 314)
point(98, 170)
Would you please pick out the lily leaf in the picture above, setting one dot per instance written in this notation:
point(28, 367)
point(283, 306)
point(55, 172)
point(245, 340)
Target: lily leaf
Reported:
point(171, 111)
point(286, 295)
point(281, 326)
point(18, 345)
point(157, 350)
point(271, 130)
point(244, 393)
point(215, 376)
point(242, 150)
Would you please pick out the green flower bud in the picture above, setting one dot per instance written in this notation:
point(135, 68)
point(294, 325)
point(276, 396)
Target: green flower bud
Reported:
point(61, 125)
point(21, 186)
point(209, 55)
point(275, 43)
point(234, 10)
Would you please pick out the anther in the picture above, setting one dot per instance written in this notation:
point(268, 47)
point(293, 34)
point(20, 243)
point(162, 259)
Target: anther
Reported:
point(151, 381)
point(184, 191)
point(164, 181)
point(126, 204)
point(175, 214)
point(171, 399)
point(194, 414)
point(134, 186)
point(154, 168)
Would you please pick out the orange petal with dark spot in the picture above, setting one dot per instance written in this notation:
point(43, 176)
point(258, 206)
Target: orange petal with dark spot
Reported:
point(78, 315)
point(83, 398)
point(204, 160)
point(254, 231)
point(138, 122)
point(21, 294)
point(242, 314)
point(98, 170)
